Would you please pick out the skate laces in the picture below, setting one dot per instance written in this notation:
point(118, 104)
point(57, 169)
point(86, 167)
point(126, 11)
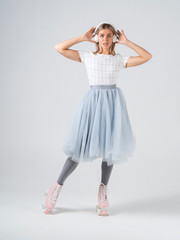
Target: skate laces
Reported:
point(55, 193)
point(103, 192)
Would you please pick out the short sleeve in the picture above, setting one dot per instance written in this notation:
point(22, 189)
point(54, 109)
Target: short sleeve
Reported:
point(122, 61)
point(83, 55)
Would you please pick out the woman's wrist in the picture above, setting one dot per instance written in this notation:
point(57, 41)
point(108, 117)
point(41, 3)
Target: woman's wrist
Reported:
point(81, 38)
point(126, 42)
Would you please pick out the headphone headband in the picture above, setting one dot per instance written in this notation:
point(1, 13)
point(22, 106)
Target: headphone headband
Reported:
point(95, 32)
point(102, 23)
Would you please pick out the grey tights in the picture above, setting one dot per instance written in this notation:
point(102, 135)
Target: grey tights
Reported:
point(70, 165)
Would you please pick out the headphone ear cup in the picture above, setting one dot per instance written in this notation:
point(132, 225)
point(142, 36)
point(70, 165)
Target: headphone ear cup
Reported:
point(114, 38)
point(96, 38)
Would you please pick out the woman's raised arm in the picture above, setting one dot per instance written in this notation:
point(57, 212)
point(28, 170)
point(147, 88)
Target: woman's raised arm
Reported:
point(63, 47)
point(144, 55)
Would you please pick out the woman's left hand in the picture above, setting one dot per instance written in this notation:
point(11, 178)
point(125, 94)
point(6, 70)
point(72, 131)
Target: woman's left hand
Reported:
point(121, 37)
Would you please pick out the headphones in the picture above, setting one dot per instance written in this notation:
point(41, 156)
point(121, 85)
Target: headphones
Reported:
point(115, 39)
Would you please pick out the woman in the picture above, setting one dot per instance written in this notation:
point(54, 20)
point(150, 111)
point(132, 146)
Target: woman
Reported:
point(100, 127)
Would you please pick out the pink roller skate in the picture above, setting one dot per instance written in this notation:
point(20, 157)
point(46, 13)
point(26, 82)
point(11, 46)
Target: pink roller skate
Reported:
point(52, 197)
point(102, 208)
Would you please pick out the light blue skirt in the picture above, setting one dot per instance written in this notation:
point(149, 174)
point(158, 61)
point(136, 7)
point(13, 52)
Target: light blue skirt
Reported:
point(100, 127)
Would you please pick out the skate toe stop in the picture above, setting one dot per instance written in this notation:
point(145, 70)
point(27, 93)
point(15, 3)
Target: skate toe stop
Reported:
point(46, 212)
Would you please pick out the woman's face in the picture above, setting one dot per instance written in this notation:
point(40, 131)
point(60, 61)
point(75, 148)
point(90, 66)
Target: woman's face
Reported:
point(105, 37)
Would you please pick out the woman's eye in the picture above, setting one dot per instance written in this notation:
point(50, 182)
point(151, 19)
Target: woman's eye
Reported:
point(103, 36)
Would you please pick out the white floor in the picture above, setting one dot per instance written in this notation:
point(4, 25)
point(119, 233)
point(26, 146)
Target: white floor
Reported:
point(133, 215)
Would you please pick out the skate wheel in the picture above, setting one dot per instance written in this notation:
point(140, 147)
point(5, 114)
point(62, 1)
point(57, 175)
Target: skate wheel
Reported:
point(45, 192)
point(97, 208)
point(101, 212)
point(43, 205)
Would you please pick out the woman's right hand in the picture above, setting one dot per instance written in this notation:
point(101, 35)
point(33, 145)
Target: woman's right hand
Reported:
point(88, 35)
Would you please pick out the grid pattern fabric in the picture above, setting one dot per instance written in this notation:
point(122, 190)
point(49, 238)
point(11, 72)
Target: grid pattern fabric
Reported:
point(102, 69)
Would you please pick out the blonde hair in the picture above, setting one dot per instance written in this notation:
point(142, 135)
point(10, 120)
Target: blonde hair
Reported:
point(105, 26)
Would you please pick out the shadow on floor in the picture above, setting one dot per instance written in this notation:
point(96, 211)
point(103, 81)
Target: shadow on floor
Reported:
point(167, 205)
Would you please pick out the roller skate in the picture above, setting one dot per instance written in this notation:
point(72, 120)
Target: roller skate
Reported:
point(52, 197)
point(102, 208)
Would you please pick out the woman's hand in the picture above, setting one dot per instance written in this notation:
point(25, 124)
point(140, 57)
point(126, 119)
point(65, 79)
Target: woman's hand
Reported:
point(121, 37)
point(88, 35)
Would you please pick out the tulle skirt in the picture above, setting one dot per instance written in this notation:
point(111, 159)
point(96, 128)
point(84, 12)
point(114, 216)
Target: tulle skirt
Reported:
point(100, 127)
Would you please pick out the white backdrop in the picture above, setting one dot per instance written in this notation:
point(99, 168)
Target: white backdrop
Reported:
point(40, 89)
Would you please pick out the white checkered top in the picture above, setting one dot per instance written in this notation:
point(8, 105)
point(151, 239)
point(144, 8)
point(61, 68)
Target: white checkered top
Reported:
point(102, 69)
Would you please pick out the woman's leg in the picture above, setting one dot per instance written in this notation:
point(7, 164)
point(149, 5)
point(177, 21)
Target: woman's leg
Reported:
point(68, 168)
point(105, 172)
point(103, 203)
